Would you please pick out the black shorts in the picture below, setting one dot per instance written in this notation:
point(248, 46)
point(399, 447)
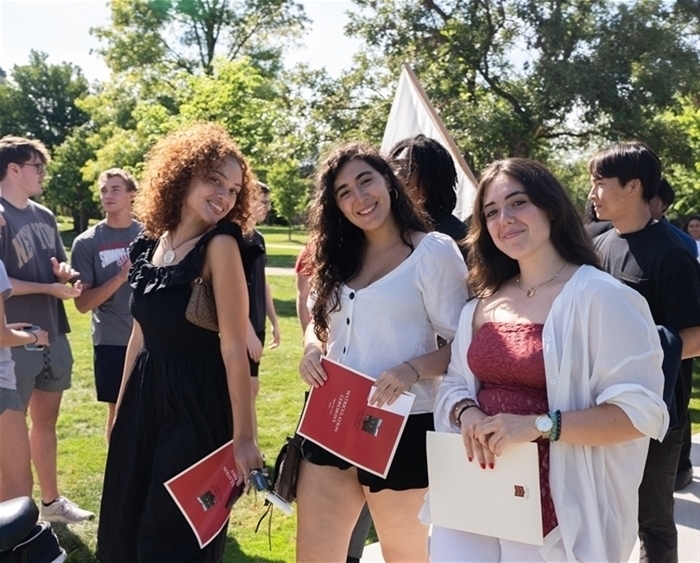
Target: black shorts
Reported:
point(409, 468)
point(109, 367)
point(255, 366)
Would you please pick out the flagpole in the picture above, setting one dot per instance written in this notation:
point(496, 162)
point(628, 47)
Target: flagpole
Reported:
point(454, 149)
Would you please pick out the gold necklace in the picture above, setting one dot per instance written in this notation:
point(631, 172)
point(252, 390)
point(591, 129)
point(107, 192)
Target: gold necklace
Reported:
point(530, 292)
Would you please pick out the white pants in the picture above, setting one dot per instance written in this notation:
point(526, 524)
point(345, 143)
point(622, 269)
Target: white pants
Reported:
point(450, 546)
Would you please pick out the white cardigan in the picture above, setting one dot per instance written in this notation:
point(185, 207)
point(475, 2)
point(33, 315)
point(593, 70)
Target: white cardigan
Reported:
point(600, 346)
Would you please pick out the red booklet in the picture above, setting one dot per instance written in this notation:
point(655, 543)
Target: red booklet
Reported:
point(337, 416)
point(206, 491)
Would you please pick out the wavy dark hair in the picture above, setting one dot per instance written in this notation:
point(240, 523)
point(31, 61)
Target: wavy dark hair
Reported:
point(337, 246)
point(489, 268)
point(176, 160)
point(435, 171)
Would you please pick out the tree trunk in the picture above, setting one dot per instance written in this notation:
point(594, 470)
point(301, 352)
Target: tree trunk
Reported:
point(80, 221)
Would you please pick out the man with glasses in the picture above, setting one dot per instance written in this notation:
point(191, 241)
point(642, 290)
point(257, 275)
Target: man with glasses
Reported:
point(36, 263)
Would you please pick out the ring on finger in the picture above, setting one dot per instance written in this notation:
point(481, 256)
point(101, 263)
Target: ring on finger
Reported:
point(488, 419)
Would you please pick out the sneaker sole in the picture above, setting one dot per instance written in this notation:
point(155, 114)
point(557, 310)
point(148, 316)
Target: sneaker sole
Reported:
point(62, 520)
point(61, 558)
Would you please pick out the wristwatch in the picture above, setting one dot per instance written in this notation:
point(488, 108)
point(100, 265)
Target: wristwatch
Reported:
point(544, 425)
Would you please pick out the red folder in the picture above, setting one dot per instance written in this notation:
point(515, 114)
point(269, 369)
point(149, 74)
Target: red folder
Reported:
point(206, 491)
point(338, 418)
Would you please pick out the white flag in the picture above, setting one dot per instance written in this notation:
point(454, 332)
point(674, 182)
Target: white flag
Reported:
point(412, 114)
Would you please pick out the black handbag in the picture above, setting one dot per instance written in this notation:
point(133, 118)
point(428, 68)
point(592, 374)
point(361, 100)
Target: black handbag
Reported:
point(286, 471)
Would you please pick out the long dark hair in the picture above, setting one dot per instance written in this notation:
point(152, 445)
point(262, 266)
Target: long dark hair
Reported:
point(435, 170)
point(337, 246)
point(489, 268)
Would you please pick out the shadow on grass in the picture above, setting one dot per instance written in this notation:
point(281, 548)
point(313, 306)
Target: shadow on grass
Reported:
point(285, 307)
point(233, 554)
point(78, 551)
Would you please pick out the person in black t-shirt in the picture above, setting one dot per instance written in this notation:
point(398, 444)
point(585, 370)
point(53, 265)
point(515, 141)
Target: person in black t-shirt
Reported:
point(260, 299)
point(646, 255)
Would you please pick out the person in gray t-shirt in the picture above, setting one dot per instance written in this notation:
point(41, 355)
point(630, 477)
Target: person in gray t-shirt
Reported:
point(101, 255)
point(33, 254)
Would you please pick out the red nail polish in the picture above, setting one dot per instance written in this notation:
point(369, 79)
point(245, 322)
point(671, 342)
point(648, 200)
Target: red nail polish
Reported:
point(490, 465)
point(483, 466)
point(470, 459)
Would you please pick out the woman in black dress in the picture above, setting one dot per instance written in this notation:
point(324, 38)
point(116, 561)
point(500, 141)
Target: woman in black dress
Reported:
point(186, 390)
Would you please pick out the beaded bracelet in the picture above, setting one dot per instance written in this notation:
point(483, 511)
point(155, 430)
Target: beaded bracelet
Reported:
point(555, 433)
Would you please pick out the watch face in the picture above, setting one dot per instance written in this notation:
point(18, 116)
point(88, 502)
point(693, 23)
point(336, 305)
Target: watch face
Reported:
point(544, 424)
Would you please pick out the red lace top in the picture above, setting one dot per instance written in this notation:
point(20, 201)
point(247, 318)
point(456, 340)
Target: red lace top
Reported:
point(508, 360)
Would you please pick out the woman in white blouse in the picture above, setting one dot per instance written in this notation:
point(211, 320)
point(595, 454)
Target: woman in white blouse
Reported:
point(553, 351)
point(384, 289)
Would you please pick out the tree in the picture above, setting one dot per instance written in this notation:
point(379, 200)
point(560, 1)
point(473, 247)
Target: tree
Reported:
point(289, 190)
point(68, 191)
point(39, 100)
point(190, 34)
point(528, 78)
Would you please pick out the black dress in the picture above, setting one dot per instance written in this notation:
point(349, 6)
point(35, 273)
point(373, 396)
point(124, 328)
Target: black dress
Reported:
point(175, 410)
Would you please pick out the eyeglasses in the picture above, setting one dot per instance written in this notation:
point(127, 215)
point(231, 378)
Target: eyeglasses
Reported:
point(40, 167)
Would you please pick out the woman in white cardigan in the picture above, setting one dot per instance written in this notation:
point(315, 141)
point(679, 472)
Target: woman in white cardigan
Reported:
point(555, 351)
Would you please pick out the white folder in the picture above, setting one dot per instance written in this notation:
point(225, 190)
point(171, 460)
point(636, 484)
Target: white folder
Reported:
point(503, 502)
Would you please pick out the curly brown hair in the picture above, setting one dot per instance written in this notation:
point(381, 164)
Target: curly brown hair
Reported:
point(174, 162)
point(338, 246)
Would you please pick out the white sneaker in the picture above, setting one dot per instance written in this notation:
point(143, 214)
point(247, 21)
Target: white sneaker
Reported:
point(63, 510)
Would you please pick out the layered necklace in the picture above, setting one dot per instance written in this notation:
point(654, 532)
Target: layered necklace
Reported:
point(532, 290)
point(170, 255)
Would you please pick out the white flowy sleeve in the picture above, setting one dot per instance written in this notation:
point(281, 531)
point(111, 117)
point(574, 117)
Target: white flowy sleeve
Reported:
point(459, 383)
point(443, 281)
point(626, 357)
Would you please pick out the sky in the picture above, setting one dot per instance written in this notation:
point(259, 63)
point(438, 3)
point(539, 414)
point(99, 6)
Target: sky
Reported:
point(61, 28)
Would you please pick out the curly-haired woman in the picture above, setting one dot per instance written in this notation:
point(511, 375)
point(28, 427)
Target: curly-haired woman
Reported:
point(186, 390)
point(383, 291)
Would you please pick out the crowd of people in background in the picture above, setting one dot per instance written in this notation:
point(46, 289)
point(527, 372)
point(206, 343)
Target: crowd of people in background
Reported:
point(530, 324)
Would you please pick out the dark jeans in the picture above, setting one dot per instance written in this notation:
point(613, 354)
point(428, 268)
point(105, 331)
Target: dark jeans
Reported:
point(657, 528)
point(684, 463)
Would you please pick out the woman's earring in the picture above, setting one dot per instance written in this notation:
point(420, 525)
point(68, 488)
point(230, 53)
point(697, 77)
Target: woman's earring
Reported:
point(345, 224)
point(394, 194)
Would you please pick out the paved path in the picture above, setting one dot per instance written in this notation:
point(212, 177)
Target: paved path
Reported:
point(269, 271)
point(687, 519)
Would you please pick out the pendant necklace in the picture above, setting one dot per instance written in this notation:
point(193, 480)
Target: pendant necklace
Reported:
point(169, 255)
point(531, 291)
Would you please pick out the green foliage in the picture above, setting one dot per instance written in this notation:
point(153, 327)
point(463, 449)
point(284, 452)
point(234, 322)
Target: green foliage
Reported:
point(169, 35)
point(523, 77)
point(684, 176)
point(39, 100)
point(67, 191)
point(289, 190)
